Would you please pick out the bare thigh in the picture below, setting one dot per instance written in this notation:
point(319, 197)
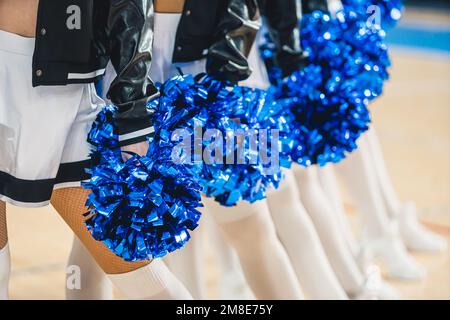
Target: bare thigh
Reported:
point(70, 204)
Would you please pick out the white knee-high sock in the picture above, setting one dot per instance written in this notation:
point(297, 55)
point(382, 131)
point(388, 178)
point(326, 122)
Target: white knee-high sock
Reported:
point(95, 285)
point(360, 180)
point(5, 270)
point(231, 282)
point(250, 230)
point(413, 233)
point(187, 264)
point(375, 287)
point(329, 185)
point(152, 282)
point(296, 231)
point(391, 201)
point(382, 238)
point(226, 255)
point(339, 254)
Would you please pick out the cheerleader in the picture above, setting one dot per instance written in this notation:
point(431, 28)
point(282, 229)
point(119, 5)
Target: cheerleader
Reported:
point(321, 213)
point(50, 55)
point(247, 228)
point(293, 224)
point(307, 187)
point(311, 260)
point(415, 236)
point(390, 227)
point(183, 34)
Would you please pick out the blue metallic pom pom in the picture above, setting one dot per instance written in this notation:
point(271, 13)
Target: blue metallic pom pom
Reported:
point(224, 111)
point(389, 11)
point(143, 207)
point(326, 115)
point(347, 45)
point(326, 102)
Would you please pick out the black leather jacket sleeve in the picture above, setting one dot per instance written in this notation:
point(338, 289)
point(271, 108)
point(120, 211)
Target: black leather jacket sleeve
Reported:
point(281, 18)
point(130, 39)
point(309, 6)
point(235, 34)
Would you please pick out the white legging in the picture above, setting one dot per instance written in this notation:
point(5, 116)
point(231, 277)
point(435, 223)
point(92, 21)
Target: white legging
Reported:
point(299, 237)
point(329, 184)
point(321, 213)
point(391, 201)
point(263, 259)
point(5, 270)
point(361, 180)
point(187, 264)
point(153, 281)
point(95, 285)
point(250, 230)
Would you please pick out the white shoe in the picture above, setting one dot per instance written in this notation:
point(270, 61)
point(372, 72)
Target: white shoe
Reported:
point(387, 292)
point(381, 289)
point(233, 286)
point(415, 236)
point(5, 270)
point(375, 288)
point(394, 255)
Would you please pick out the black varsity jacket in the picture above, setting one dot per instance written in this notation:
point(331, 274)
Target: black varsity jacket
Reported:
point(221, 30)
point(281, 19)
point(75, 39)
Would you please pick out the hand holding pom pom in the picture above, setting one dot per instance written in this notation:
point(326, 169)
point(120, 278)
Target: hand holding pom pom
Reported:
point(232, 114)
point(325, 117)
point(143, 207)
point(139, 148)
point(326, 102)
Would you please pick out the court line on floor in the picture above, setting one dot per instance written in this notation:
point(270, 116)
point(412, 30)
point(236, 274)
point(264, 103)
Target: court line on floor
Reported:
point(424, 36)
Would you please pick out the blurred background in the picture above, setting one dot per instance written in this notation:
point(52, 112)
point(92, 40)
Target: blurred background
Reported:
point(413, 124)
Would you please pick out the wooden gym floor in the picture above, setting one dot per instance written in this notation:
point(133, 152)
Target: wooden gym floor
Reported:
point(413, 123)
